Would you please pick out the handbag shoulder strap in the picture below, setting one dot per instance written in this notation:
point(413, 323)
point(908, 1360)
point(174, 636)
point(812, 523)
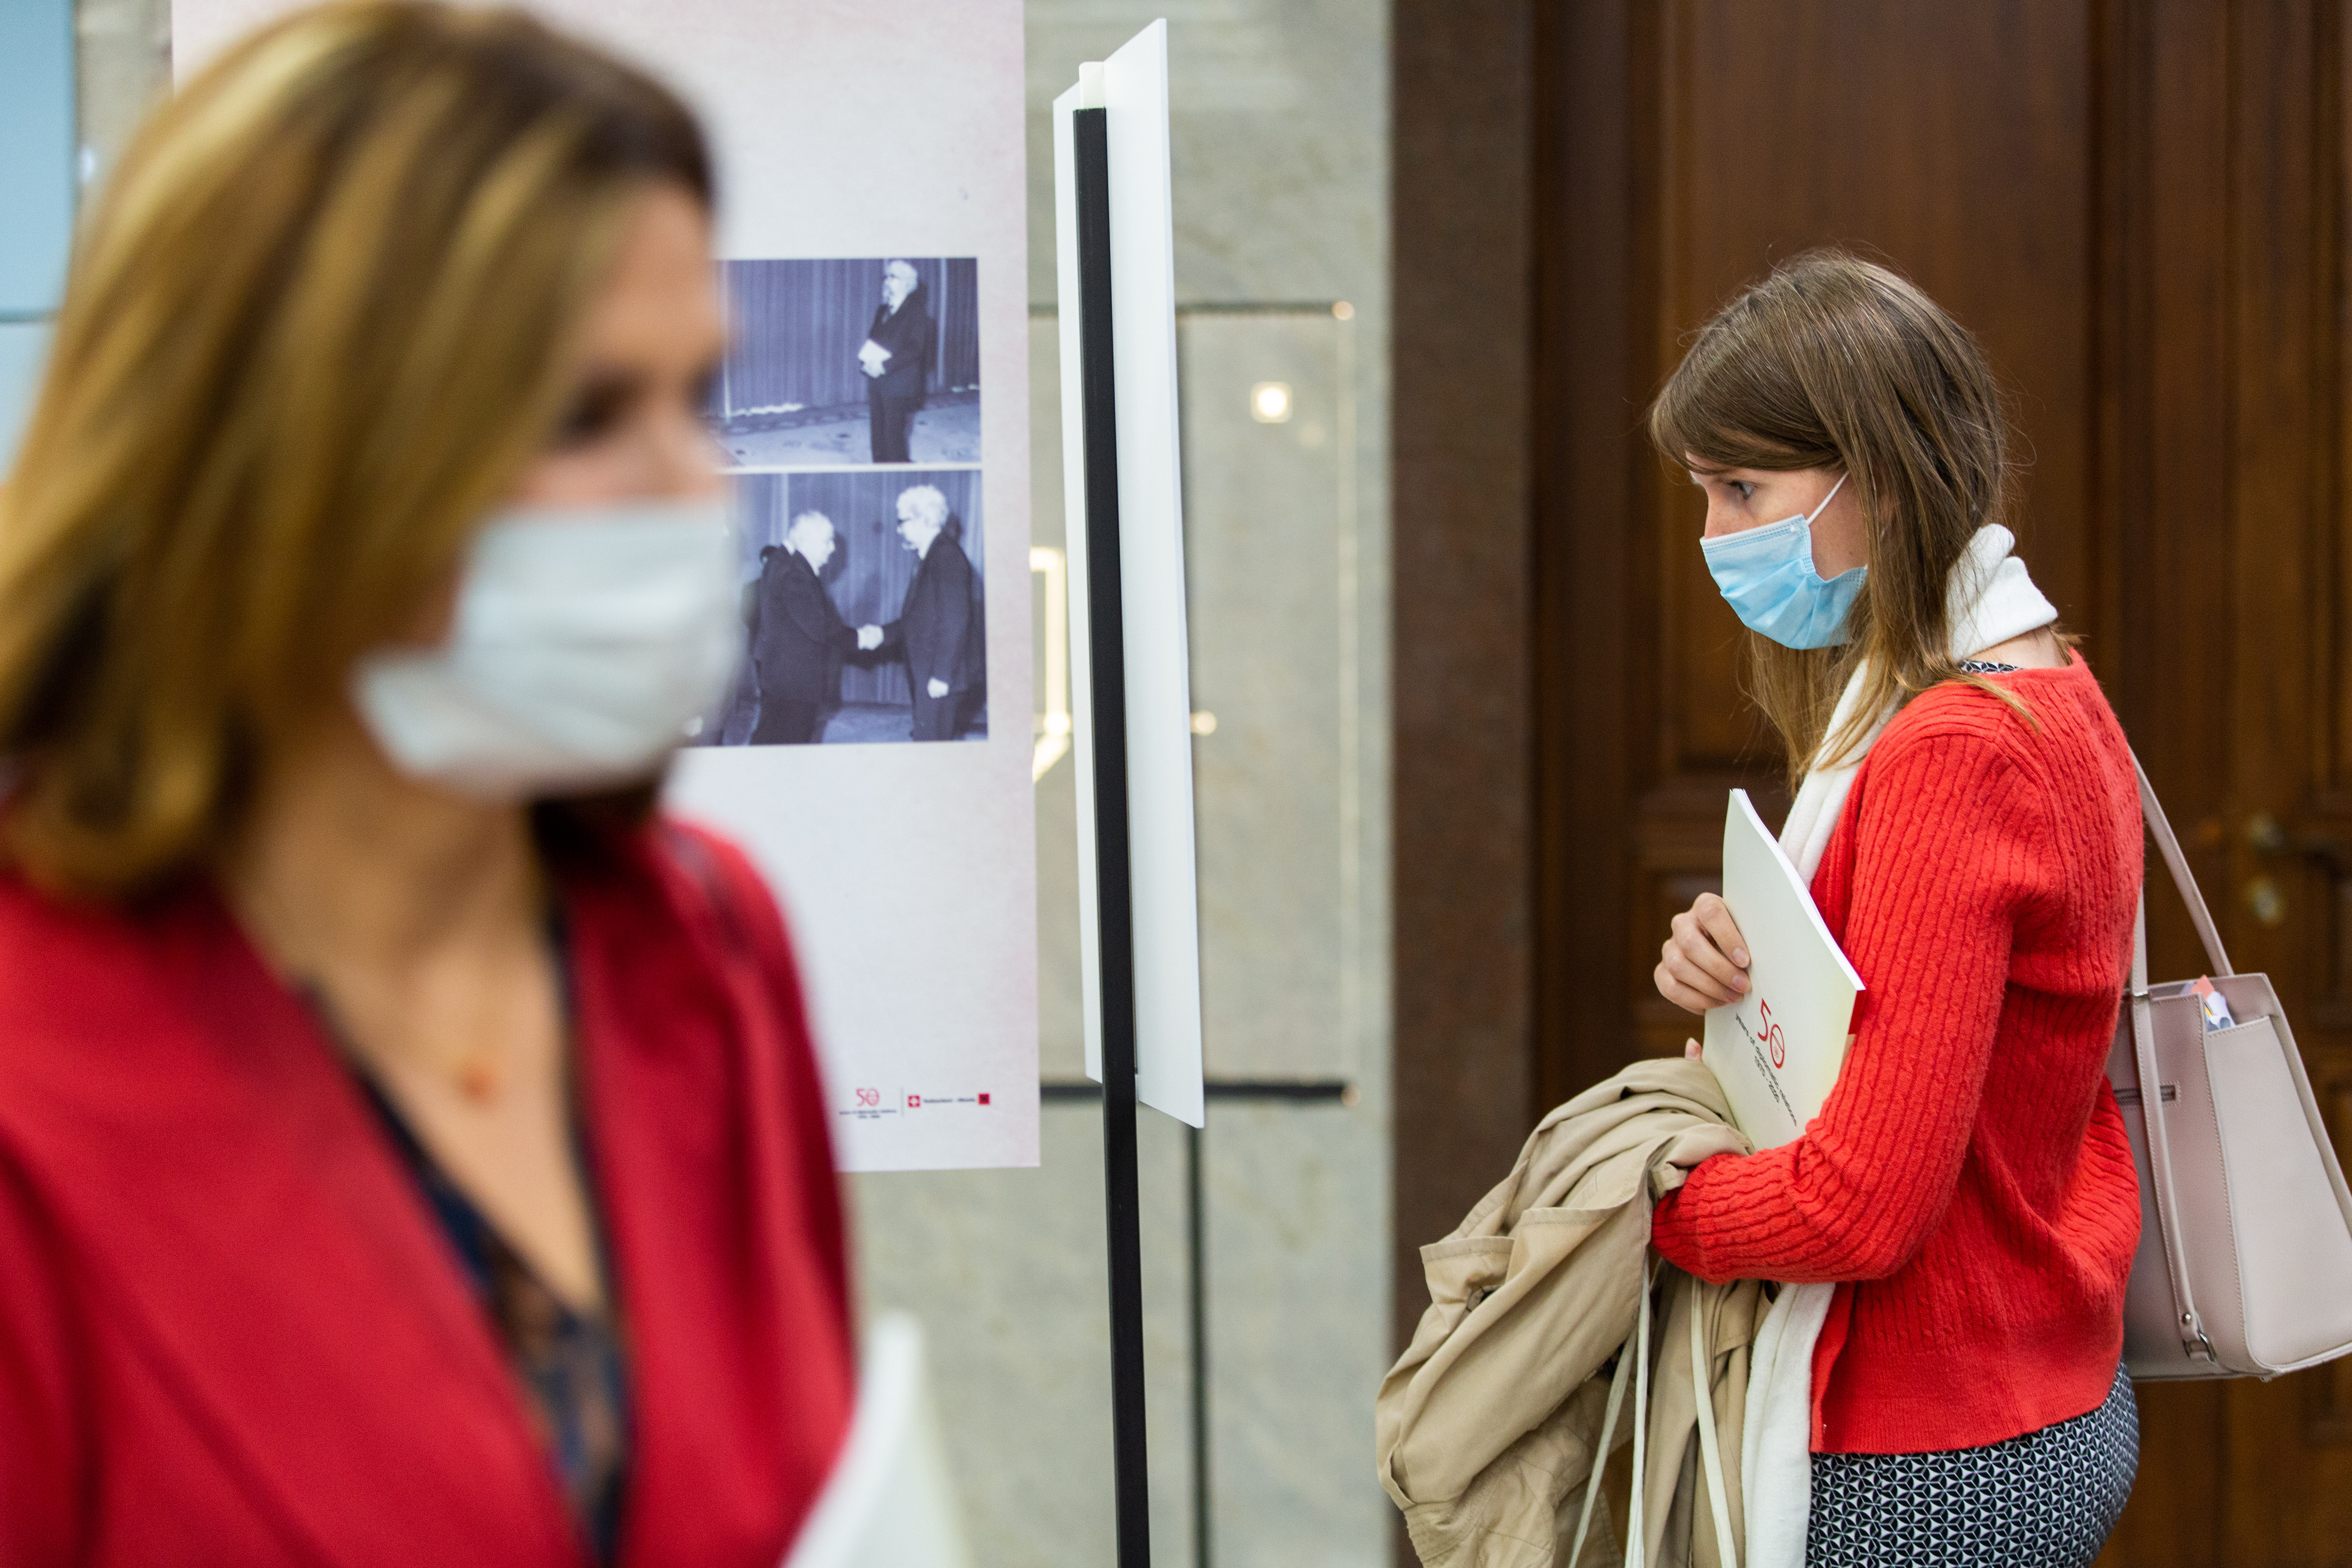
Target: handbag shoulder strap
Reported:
point(2160, 829)
point(2154, 1116)
point(1635, 1354)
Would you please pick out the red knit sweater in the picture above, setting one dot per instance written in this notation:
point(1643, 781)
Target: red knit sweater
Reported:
point(1968, 1182)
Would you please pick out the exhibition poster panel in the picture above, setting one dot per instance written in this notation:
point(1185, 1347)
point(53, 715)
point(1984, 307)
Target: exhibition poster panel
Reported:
point(875, 756)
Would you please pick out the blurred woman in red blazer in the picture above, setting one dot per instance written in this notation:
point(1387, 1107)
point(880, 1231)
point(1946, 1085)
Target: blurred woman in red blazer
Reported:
point(410, 1146)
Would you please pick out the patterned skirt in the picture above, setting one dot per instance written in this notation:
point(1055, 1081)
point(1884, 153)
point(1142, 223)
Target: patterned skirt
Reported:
point(2048, 1499)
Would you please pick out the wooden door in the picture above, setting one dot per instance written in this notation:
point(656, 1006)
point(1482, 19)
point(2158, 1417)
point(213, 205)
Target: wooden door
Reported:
point(2139, 206)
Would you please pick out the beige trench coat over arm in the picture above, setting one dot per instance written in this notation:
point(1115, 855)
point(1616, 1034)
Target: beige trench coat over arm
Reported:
point(1488, 1427)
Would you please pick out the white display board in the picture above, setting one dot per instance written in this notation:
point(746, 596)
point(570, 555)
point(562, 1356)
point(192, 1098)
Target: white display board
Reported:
point(896, 829)
point(1132, 87)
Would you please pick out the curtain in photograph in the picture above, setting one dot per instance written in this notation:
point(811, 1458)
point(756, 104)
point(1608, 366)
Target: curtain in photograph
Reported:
point(759, 516)
point(797, 325)
point(955, 308)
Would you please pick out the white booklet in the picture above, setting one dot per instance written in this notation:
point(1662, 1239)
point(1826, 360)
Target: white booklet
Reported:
point(1778, 1049)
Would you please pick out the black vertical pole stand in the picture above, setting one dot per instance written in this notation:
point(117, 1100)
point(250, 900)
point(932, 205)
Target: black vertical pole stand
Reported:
point(1113, 889)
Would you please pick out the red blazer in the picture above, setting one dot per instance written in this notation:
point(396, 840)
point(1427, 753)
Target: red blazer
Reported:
point(230, 1331)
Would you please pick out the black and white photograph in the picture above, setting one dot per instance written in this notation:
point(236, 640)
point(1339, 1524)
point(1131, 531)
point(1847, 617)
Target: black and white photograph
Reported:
point(863, 610)
point(839, 362)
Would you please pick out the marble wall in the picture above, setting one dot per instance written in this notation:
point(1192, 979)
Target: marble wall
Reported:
point(124, 64)
point(1281, 180)
point(122, 55)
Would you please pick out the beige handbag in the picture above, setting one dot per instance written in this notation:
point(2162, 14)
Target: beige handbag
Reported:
point(2245, 1247)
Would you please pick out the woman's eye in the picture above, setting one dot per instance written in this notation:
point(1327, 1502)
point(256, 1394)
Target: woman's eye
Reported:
point(1743, 487)
point(594, 413)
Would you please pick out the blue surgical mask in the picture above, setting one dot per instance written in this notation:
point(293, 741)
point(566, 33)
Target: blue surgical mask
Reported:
point(1766, 575)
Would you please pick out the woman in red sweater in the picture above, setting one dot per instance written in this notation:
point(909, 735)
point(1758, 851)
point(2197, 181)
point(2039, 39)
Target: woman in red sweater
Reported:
point(1967, 816)
point(411, 1149)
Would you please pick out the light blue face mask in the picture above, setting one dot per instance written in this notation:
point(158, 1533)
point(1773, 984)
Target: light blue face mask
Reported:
point(1766, 575)
point(585, 640)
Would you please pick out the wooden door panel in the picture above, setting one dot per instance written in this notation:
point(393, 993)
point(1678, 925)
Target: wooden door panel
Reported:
point(2289, 1471)
point(2176, 1512)
point(1678, 851)
point(1996, 221)
point(1953, 142)
point(2277, 509)
point(2326, 1412)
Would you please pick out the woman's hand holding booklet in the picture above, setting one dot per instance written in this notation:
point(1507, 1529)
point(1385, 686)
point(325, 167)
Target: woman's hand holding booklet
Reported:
point(1778, 1007)
point(1704, 962)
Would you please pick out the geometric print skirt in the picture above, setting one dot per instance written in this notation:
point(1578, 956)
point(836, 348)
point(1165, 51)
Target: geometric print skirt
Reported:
point(2047, 1498)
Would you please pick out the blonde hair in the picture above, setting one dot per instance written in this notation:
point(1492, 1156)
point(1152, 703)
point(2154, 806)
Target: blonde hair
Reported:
point(319, 319)
point(1835, 362)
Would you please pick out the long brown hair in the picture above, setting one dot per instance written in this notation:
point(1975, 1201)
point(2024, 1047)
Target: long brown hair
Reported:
point(1834, 362)
point(319, 321)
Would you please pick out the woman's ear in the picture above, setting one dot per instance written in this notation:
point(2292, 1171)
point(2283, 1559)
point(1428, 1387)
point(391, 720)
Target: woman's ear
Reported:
point(1840, 530)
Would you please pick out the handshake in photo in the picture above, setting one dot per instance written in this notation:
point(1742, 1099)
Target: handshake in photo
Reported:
point(868, 639)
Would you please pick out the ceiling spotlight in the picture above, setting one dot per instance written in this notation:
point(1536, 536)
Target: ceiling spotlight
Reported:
point(1270, 402)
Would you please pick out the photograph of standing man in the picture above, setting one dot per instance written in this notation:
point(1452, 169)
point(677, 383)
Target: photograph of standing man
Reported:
point(798, 639)
point(939, 631)
point(895, 358)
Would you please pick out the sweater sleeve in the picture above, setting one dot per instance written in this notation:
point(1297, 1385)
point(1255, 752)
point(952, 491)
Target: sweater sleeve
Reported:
point(1952, 847)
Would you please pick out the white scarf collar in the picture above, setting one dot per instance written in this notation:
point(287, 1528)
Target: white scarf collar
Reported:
point(1993, 600)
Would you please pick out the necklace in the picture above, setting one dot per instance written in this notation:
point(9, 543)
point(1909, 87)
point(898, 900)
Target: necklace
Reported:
point(479, 1080)
point(477, 1076)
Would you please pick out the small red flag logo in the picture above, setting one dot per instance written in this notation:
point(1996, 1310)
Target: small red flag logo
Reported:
point(984, 1100)
point(913, 1100)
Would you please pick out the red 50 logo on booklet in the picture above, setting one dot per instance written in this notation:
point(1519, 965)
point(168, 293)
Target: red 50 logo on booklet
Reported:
point(1774, 1041)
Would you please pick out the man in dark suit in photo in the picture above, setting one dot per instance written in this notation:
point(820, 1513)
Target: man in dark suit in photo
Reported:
point(938, 628)
point(896, 360)
point(798, 639)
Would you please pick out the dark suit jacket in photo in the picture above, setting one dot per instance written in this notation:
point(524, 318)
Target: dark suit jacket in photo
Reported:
point(798, 639)
point(907, 333)
point(939, 630)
